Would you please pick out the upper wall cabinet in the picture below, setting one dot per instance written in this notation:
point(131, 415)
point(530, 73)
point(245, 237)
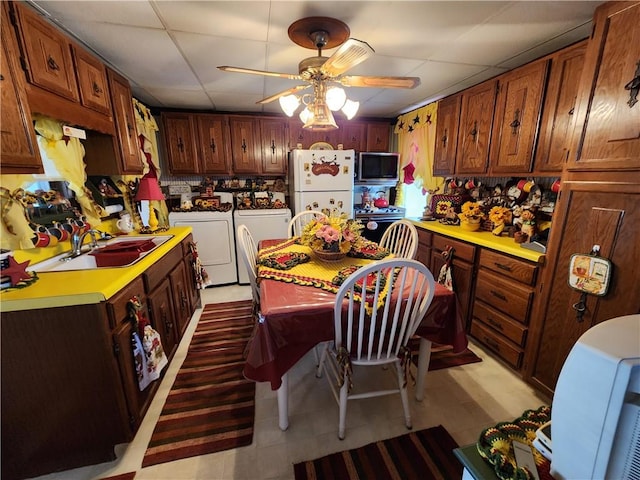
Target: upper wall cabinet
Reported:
point(607, 131)
point(181, 143)
point(274, 140)
point(378, 137)
point(65, 82)
point(245, 144)
point(214, 143)
point(19, 152)
point(516, 118)
point(559, 108)
point(476, 120)
point(446, 135)
point(353, 136)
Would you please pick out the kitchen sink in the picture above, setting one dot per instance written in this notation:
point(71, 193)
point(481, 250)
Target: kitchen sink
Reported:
point(117, 252)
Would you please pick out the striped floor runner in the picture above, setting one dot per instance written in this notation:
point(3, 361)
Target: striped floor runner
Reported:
point(211, 405)
point(426, 455)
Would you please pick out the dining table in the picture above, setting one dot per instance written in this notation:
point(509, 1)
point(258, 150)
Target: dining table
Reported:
point(296, 313)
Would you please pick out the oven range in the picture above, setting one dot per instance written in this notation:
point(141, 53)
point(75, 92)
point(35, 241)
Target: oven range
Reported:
point(377, 220)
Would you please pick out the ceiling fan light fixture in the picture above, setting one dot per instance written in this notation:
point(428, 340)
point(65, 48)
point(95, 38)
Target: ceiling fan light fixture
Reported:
point(350, 108)
point(322, 119)
point(336, 98)
point(305, 115)
point(289, 104)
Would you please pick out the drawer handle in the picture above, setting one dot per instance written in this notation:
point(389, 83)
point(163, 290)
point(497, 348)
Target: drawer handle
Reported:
point(492, 343)
point(498, 295)
point(495, 324)
point(444, 138)
point(180, 144)
point(244, 146)
point(501, 266)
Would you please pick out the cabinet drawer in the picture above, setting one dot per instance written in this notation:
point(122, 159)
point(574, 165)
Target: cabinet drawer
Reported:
point(117, 305)
point(514, 331)
point(462, 251)
point(497, 344)
point(507, 296)
point(510, 267)
point(159, 270)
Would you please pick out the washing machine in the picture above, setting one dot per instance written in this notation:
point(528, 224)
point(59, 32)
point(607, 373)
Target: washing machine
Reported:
point(214, 235)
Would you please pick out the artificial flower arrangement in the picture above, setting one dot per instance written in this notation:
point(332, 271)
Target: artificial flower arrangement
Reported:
point(332, 233)
point(471, 212)
point(499, 216)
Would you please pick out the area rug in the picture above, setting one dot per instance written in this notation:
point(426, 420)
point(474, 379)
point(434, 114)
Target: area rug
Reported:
point(425, 454)
point(442, 356)
point(211, 405)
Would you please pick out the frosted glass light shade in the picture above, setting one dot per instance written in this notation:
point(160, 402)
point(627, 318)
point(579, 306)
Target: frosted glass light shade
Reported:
point(350, 109)
point(335, 98)
point(289, 104)
point(305, 114)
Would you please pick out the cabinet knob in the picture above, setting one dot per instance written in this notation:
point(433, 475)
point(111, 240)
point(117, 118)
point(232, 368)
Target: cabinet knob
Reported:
point(212, 145)
point(244, 146)
point(444, 138)
point(51, 63)
point(273, 147)
point(516, 122)
point(474, 131)
point(634, 87)
point(180, 144)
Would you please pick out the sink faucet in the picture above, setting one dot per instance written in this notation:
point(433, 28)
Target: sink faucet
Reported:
point(78, 239)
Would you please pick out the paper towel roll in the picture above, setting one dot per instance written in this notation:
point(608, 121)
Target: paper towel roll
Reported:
point(111, 209)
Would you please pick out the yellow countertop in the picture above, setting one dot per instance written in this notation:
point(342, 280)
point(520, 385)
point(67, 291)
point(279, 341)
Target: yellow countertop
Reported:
point(80, 287)
point(482, 238)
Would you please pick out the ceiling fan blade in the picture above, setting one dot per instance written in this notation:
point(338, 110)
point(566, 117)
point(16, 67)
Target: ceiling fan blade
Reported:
point(351, 53)
point(379, 82)
point(289, 76)
point(295, 89)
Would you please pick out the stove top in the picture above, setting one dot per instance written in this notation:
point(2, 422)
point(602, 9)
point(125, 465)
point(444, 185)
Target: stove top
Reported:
point(391, 211)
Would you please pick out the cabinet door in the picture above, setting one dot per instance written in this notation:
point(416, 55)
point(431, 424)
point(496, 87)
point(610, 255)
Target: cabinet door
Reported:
point(353, 136)
point(516, 118)
point(476, 117)
point(48, 54)
point(300, 136)
point(125, 123)
point(161, 313)
point(446, 135)
point(607, 132)
point(92, 81)
point(179, 135)
point(462, 274)
point(424, 248)
point(19, 152)
point(245, 145)
point(558, 109)
point(181, 298)
point(378, 137)
point(213, 139)
point(274, 136)
point(590, 213)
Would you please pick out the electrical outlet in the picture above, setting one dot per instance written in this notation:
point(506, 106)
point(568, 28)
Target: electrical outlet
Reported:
point(179, 189)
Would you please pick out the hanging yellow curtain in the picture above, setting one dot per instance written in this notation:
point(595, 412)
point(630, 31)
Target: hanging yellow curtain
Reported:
point(416, 132)
point(147, 127)
point(16, 234)
point(67, 154)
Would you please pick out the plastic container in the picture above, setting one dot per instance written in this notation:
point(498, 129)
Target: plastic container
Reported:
point(121, 253)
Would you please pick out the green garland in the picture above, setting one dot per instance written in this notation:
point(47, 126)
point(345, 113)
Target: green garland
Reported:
point(284, 261)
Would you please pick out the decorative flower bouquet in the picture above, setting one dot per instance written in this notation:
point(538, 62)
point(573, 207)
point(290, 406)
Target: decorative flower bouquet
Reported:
point(499, 216)
point(471, 216)
point(332, 233)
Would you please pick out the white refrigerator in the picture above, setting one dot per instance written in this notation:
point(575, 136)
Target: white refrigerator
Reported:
point(321, 180)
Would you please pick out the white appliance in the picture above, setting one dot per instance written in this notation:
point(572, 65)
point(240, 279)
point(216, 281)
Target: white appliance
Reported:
point(215, 239)
point(263, 224)
point(321, 180)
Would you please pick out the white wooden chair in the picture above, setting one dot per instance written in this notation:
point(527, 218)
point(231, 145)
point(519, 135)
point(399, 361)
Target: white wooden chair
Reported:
point(299, 220)
point(379, 337)
point(401, 238)
point(249, 254)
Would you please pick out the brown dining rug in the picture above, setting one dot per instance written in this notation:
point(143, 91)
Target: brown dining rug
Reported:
point(211, 405)
point(425, 454)
point(443, 356)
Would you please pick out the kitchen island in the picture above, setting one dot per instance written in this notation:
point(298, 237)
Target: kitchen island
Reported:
point(69, 381)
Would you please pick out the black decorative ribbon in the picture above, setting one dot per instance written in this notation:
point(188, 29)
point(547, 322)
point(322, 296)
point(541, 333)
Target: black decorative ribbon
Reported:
point(405, 355)
point(344, 361)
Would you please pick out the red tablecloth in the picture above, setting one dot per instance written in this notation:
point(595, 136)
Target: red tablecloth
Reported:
point(294, 318)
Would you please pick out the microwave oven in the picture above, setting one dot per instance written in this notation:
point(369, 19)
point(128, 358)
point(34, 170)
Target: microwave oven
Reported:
point(377, 168)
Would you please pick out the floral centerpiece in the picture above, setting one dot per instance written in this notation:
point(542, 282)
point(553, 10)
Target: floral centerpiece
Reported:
point(334, 234)
point(499, 216)
point(471, 216)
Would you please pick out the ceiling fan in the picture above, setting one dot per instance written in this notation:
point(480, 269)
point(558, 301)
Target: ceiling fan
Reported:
point(325, 74)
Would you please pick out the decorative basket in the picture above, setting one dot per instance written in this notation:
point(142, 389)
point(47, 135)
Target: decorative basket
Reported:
point(329, 256)
point(470, 227)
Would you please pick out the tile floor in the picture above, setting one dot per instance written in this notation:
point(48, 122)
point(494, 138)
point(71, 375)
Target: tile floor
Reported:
point(463, 399)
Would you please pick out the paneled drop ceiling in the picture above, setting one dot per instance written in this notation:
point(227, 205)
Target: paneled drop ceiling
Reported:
point(169, 50)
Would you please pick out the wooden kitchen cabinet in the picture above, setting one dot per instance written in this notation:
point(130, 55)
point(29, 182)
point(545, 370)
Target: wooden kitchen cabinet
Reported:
point(245, 145)
point(444, 160)
point(558, 109)
point(378, 137)
point(19, 153)
point(181, 144)
point(162, 315)
point(607, 130)
point(181, 297)
point(516, 119)
point(214, 142)
point(423, 255)
point(352, 135)
point(92, 81)
point(474, 133)
point(274, 143)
